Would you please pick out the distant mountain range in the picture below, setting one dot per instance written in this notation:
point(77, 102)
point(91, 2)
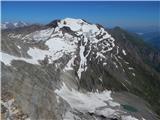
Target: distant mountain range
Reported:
point(151, 35)
point(12, 25)
point(152, 38)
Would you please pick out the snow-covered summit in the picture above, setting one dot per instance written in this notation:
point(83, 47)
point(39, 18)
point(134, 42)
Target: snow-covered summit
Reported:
point(90, 37)
point(71, 70)
point(78, 25)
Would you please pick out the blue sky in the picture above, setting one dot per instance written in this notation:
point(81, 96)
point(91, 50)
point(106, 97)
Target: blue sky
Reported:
point(125, 14)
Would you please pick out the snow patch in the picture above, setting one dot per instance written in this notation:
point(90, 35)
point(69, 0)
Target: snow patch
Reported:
point(134, 74)
point(126, 62)
point(83, 60)
point(70, 63)
point(100, 78)
point(113, 104)
point(19, 47)
point(7, 59)
point(84, 102)
point(100, 55)
point(41, 35)
point(128, 118)
point(57, 48)
point(108, 112)
point(104, 63)
point(130, 68)
point(17, 36)
point(70, 116)
point(124, 52)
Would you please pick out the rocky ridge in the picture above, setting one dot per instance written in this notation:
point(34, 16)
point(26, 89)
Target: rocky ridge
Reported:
point(71, 69)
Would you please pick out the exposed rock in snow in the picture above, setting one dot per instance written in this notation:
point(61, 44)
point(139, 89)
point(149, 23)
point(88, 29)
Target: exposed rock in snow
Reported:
point(70, 64)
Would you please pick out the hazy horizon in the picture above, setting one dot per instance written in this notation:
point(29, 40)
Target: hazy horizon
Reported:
point(123, 14)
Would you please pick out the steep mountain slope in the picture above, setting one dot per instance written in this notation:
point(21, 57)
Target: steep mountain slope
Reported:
point(73, 70)
point(147, 60)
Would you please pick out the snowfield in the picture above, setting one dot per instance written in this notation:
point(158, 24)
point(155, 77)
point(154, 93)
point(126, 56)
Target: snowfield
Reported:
point(57, 48)
point(60, 43)
point(7, 59)
point(99, 103)
point(85, 102)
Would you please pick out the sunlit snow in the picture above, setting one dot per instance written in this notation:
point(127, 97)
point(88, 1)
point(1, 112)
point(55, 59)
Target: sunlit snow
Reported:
point(88, 102)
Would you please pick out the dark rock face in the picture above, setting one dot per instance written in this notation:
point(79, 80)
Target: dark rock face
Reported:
point(53, 23)
point(88, 62)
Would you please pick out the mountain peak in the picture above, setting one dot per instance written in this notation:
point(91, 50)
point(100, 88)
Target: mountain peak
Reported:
point(20, 23)
point(72, 20)
point(82, 66)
